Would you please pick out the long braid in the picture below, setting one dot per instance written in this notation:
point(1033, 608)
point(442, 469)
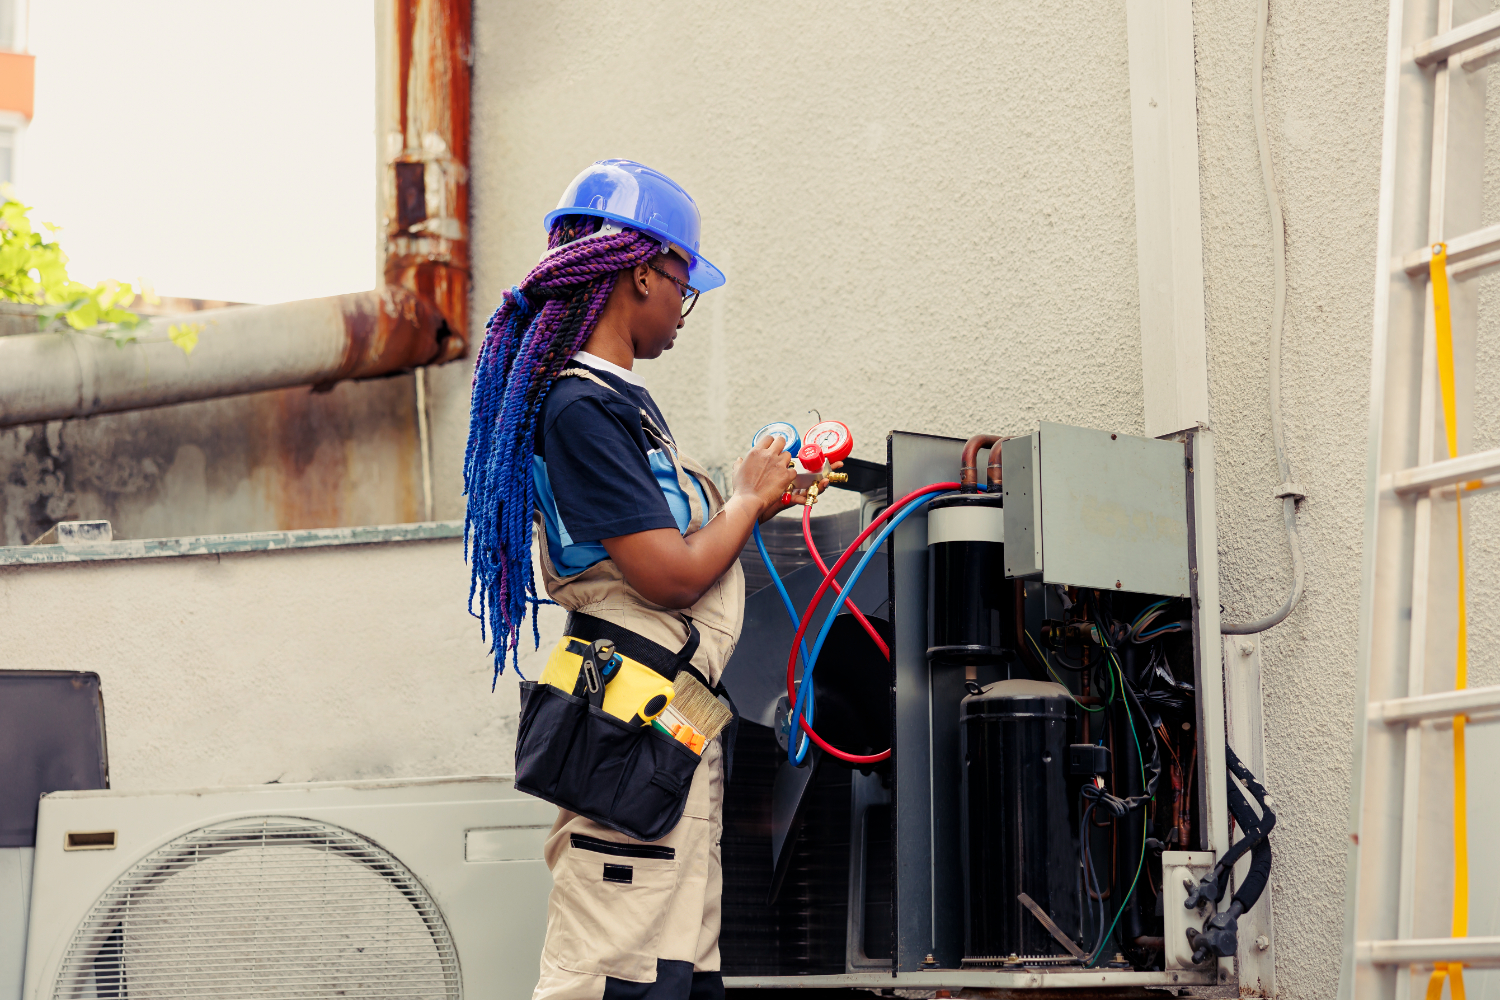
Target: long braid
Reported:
point(536, 331)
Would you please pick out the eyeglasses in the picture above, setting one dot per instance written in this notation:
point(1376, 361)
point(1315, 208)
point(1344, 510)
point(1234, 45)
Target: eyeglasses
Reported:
point(689, 293)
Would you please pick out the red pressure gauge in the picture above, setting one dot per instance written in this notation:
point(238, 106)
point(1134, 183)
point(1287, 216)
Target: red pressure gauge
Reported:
point(825, 442)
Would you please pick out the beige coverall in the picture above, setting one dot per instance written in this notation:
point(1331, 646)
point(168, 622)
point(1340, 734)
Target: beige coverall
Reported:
point(607, 936)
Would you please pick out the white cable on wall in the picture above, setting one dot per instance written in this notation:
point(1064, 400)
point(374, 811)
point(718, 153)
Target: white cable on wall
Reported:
point(1288, 491)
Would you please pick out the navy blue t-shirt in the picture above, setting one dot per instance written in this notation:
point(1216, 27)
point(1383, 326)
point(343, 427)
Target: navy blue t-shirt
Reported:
point(597, 473)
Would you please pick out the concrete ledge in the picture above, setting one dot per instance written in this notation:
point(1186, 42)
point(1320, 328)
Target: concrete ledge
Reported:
point(210, 545)
point(976, 979)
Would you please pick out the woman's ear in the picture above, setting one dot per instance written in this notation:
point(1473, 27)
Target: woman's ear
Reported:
point(639, 272)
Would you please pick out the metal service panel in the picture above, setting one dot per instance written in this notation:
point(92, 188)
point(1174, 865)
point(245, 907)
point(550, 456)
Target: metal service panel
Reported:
point(1102, 510)
point(928, 904)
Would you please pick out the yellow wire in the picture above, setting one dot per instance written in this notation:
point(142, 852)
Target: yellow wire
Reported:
point(1442, 318)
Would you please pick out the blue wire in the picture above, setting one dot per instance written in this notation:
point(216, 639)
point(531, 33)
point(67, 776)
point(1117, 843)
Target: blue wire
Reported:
point(809, 663)
point(791, 609)
point(1162, 630)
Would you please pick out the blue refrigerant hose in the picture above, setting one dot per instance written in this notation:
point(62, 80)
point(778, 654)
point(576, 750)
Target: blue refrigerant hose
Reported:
point(808, 662)
point(791, 609)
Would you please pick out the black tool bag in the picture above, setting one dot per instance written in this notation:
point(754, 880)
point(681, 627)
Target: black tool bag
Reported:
point(630, 778)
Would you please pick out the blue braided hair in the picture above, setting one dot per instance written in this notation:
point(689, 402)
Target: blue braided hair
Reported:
point(540, 325)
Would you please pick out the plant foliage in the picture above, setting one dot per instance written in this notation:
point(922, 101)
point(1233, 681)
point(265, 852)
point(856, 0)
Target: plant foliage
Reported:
point(34, 271)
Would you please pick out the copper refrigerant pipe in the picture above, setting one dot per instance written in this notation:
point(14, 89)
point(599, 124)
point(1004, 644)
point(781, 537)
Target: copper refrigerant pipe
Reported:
point(968, 475)
point(992, 473)
point(968, 472)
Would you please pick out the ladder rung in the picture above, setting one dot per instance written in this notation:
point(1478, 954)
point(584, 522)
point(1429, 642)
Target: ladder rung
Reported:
point(1463, 469)
point(1465, 36)
point(1442, 705)
point(1479, 951)
point(1467, 247)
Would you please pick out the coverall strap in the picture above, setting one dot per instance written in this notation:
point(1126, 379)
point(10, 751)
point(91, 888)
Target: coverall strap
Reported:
point(654, 655)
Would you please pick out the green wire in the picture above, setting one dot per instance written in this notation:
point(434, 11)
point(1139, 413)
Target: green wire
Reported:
point(1140, 866)
point(1140, 758)
point(1048, 665)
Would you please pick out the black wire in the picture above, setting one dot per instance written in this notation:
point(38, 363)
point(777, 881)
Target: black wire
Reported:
point(1091, 887)
point(1112, 803)
point(1083, 857)
point(1077, 668)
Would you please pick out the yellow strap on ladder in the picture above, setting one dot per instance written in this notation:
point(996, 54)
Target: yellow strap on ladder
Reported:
point(1443, 327)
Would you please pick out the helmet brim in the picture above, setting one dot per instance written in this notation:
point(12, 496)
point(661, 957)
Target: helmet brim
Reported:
point(702, 275)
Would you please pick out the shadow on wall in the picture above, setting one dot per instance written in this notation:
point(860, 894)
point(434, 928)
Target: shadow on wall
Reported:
point(286, 459)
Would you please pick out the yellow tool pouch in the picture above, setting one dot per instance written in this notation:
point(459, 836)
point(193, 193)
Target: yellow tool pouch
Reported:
point(578, 747)
point(630, 687)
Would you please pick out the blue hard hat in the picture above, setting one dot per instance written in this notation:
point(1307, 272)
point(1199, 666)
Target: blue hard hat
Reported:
point(634, 195)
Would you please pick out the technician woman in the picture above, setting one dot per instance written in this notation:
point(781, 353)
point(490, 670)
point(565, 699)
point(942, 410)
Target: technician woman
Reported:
point(636, 542)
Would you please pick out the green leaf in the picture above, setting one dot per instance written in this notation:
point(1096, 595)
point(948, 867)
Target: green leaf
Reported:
point(185, 335)
point(35, 271)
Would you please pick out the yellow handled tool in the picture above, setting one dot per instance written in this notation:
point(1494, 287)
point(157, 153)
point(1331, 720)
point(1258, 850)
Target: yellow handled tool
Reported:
point(652, 707)
point(633, 691)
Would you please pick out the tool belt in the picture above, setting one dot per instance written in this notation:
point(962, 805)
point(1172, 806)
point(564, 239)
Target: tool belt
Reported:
point(578, 748)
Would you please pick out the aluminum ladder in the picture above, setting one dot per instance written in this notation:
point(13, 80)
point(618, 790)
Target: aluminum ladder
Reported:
point(1399, 894)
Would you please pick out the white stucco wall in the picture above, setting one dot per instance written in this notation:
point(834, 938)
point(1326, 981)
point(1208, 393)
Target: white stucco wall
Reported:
point(1324, 106)
point(303, 665)
point(940, 201)
point(871, 182)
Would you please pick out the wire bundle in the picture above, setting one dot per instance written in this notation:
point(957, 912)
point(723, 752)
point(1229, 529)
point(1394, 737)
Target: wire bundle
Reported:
point(1144, 629)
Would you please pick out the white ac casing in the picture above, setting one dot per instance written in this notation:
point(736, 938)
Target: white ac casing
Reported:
point(473, 845)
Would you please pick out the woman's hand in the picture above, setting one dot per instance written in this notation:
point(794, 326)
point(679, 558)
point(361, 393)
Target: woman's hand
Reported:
point(764, 475)
point(797, 496)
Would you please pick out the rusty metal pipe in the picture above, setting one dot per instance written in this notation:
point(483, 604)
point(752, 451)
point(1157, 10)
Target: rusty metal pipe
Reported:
point(420, 316)
point(315, 342)
point(426, 52)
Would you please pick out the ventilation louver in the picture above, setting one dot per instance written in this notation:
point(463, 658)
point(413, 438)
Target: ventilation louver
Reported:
point(270, 907)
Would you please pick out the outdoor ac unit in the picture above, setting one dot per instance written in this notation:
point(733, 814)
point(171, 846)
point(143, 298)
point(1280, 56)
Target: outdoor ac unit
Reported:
point(430, 888)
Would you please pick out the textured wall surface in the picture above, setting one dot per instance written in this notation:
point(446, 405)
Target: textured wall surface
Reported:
point(922, 195)
point(937, 203)
point(1324, 106)
point(355, 662)
point(943, 204)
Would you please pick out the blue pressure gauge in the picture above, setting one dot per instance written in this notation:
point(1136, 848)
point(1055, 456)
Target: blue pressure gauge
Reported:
point(788, 434)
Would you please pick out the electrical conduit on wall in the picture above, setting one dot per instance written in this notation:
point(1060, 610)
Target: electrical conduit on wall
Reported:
point(1288, 492)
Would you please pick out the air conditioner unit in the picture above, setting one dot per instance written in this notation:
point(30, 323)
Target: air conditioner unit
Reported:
point(430, 888)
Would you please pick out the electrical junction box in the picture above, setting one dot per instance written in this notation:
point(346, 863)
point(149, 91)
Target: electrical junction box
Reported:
point(1095, 509)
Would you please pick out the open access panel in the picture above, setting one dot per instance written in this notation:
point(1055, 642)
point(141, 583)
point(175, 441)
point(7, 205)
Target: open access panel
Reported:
point(973, 857)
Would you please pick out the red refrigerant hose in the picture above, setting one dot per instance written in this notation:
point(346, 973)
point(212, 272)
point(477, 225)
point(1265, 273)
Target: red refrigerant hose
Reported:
point(791, 665)
point(812, 549)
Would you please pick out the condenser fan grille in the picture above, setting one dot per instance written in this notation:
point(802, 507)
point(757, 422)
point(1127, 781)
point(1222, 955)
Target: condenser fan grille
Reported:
point(270, 907)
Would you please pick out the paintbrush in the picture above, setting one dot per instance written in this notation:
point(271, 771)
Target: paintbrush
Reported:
point(698, 707)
